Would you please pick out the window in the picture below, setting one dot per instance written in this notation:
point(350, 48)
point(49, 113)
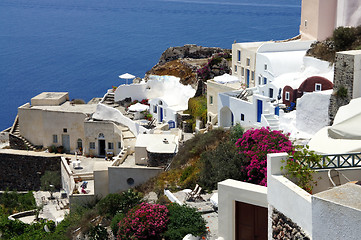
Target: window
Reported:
point(165, 112)
point(242, 117)
point(130, 181)
point(264, 80)
point(55, 138)
point(265, 67)
point(65, 130)
point(238, 55)
point(271, 92)
point(210, 119)
point(119, 145)
point(101, 136)
point(248, 61)
point(305, 23)
point(252, 75)
point(242, 71)
point(318, 87)
point(259, 80)
point(210, 99)
point(92, 145)
point(287, 96)
point(155, 109)
point(110, 145)
point(235, 68)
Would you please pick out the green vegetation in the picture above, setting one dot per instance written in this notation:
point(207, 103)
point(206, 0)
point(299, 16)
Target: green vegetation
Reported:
point(13, 202)
point(205, 159)
point(118, 203)
point(298, 169)
point(343, 39)
point(77, 101)
point(50, 178)
point(197, 108)
point(341, 92)
point(182, 221)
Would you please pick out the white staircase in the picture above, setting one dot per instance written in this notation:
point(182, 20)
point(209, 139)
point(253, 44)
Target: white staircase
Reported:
point(272, 120)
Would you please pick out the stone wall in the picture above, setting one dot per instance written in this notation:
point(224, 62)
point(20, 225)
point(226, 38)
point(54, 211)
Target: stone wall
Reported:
point(16, 143)
point(159, 159)
point(23, 172)
point(283, 228)
point(343, 79)
point(188, 51)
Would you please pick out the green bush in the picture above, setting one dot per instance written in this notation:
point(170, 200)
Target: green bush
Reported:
point(98, 233)
point(50, 178)
point(14, 202)
point(341, 92)
point(220, 164)
point(223, 162)
point(10, 229)
point(119, 203)
point(184, 220)
point(114, 224)
point(196, 145)
point(344, 38)
point(198, 107)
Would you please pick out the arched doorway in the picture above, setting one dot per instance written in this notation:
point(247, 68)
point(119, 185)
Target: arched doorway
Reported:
point(101, 144)
point(160, 115)
point(79, 144)
point(226, 117)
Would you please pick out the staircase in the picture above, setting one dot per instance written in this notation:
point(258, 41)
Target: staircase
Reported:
point(128, 136)
point(15, 131)
point(108, 99)
point(272, 120)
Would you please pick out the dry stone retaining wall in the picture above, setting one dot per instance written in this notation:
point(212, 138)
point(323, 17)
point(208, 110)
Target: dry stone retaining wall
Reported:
point(283, 228)
point(343, 78)
point(23, 172)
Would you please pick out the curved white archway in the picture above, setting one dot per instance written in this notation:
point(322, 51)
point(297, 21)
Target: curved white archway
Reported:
point(226, 117)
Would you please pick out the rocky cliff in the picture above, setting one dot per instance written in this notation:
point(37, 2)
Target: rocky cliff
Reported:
point(192, 63)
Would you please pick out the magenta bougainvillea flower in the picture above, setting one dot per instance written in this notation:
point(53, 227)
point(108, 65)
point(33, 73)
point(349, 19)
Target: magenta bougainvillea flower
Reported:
point(146, 221)
point(255, 144)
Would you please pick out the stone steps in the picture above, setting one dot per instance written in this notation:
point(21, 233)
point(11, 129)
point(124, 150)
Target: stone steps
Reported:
point(16, 132)
point(128, 134)
point(109, 99)
point(273, 122)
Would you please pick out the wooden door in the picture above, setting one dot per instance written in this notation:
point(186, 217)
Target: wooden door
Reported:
point(251, 222)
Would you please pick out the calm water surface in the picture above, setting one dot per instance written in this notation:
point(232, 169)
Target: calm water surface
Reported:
point(82, 46)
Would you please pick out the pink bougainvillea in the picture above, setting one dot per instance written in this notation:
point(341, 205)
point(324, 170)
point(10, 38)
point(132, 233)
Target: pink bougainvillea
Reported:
point(255, 144)
point(146, 221)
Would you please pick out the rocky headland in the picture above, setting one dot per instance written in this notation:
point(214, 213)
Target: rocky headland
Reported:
point(192, 63)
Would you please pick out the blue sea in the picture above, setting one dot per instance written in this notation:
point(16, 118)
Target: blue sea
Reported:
point(81, 46)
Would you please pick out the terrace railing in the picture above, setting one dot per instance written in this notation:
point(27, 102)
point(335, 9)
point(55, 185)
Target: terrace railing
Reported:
point(330, 161)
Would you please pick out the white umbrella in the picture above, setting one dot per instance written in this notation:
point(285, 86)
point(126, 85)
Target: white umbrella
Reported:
point(126, 76)
point(138, 107)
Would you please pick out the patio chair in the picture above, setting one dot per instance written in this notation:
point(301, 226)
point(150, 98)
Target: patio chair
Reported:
point(334, 177)
point(195, 194)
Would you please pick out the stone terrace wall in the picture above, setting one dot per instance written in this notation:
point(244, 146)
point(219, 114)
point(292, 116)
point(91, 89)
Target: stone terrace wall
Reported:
point(343, 77)
point(159, 159)
point(23, 172)
point(283, 228)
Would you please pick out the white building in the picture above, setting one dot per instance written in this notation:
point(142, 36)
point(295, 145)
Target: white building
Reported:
point(332, 211)
point(166, 95)
point(52, 120)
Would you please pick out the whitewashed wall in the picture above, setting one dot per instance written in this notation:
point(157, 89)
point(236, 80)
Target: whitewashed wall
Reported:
point(104, 112)
point(135, 91)
point(238, 107)
point(287, 197)
point(334, 221)
point(230, 191)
